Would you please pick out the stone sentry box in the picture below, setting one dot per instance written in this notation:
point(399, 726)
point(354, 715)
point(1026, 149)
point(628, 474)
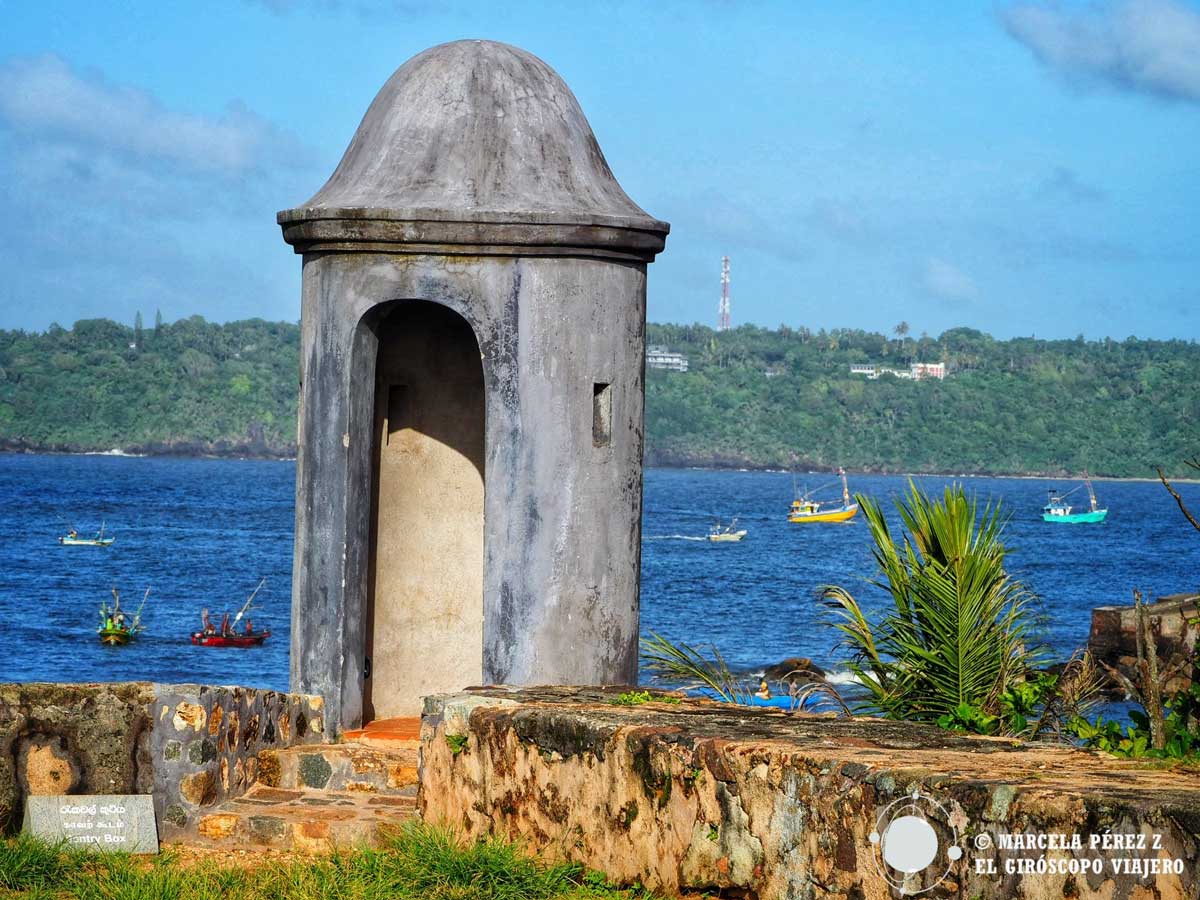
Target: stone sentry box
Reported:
point(469, 476)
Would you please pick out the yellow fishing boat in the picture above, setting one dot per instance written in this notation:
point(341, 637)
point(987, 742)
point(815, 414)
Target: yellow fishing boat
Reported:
point(805, 509)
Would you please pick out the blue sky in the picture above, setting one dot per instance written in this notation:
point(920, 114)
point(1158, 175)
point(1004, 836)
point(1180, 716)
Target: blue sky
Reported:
point(1022, 168)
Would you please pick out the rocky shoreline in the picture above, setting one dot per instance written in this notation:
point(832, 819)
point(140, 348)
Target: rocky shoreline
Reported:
point(654, 459)
point(180, 449)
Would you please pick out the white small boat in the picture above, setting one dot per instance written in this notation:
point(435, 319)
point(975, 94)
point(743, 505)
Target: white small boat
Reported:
point(724, 533)
point(72, 539)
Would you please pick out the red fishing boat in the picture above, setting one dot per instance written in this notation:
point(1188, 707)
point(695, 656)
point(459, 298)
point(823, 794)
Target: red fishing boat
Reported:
point(254, 639)
point(227, 634)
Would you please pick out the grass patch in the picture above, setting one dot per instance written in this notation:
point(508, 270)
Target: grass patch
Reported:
point(637, 698)
point(419, 861)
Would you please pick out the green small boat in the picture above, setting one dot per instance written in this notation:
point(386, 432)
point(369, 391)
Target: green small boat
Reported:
point(114, 635)
point(1057, 509)
point(115, 630)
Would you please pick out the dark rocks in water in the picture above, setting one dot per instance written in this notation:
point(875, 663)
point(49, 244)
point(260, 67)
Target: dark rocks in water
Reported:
point(794, 669)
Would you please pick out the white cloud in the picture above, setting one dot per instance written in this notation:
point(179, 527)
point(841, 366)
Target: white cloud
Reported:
point(1149, 46)
point(44, 98)
point(1064, 183)
point(843, 220)
point(946, 281)
point(117, 203)
point(365, 8)
point(735, 224)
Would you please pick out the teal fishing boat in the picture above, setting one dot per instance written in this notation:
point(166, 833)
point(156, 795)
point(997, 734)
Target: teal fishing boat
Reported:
point(1057, 509)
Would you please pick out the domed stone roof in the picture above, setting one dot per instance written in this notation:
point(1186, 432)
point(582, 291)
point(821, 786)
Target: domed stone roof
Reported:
point(474, 132)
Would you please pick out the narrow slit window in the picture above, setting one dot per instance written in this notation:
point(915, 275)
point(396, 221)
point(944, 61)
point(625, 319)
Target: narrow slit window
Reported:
point(397, 407)
point(601, 414)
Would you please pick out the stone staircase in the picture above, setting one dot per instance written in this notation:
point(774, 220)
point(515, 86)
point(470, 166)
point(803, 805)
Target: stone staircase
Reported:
point(319, 797)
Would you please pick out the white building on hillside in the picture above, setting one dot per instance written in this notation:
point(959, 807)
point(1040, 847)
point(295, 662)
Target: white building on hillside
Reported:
point(915, 372)
point(929, 370)
point(659, 357)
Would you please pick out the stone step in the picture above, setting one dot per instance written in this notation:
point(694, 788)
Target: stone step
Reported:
point(308, 821)
point(394, 733)
point(352, 767)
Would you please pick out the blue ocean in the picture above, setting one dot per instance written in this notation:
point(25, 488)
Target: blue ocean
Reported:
point(202, 533)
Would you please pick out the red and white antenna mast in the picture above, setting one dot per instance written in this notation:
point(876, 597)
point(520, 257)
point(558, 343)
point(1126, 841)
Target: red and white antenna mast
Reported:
point(723, 310)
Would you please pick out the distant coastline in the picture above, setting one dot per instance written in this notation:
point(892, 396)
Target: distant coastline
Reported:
point(749, 398)
point(194, 450)
point(181, 449)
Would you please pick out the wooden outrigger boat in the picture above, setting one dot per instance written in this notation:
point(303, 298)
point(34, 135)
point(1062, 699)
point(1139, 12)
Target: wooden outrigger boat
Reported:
point(725, 533)
point(226, 635)
point(114, 630)
point(114, 635)
point(805, 509)
point(72, 539)
point(254, 639)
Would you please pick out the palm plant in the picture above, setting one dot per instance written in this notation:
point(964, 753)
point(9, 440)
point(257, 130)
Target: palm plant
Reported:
point(682, 662)
point(955, 637)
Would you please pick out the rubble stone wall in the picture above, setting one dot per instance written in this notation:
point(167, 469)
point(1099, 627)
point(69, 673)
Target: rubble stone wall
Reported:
point(191, 746)
point(696, 796)
point(205, 744)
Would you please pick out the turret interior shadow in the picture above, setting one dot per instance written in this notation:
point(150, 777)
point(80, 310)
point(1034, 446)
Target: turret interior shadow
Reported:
point(425, 596)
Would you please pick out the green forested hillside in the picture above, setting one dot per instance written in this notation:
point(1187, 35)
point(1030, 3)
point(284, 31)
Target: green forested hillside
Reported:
point(761, 397)
point(187, 387)
point(753, 397)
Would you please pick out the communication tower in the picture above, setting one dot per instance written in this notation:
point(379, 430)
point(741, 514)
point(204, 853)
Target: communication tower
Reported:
point(723, 310)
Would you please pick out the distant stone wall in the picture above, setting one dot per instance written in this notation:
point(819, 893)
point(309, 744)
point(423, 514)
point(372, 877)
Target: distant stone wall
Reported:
point(1174, 621)
point(191, 746)
point(699, 796)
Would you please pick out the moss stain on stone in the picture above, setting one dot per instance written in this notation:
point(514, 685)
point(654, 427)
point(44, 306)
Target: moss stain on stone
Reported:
point(627, 815)
point(314, 770)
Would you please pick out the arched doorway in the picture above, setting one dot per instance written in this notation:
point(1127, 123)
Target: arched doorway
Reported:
point(424, 628)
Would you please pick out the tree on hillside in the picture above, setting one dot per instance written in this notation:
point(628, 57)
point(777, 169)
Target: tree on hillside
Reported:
point(901, 332)
point(137, 330)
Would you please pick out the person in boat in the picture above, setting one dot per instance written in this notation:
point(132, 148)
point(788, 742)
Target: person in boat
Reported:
point(226, 628)
point(764, 690)
point(249, 628)
point(72, 534)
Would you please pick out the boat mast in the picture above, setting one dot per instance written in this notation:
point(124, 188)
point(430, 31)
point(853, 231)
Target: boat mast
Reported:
point(845, 487)
point(249, 600)
point(1091, 493)
point(137, 616)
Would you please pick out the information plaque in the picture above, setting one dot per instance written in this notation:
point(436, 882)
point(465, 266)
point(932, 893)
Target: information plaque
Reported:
point(122, 823)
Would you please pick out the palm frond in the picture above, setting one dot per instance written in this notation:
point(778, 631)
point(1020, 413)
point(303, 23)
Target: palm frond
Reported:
point(959, 628)
point(687, 663)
